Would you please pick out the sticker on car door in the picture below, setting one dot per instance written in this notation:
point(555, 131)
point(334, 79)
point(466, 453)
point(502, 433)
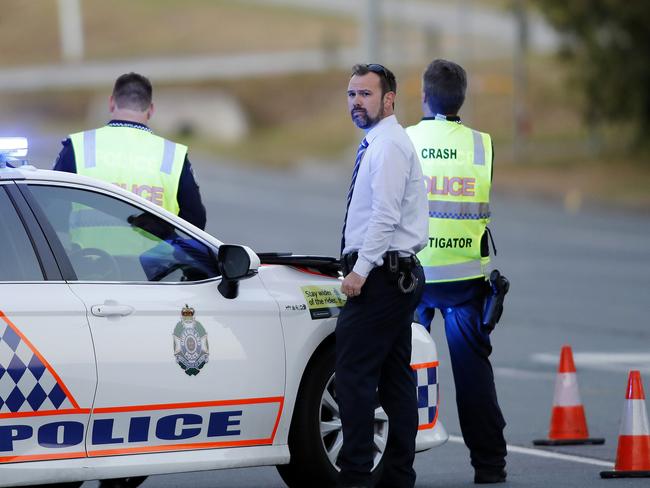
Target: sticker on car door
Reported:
point(323, 301)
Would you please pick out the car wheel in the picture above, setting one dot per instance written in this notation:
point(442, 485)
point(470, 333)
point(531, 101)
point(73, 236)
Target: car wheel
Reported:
point(316, 437)
point(131, 482)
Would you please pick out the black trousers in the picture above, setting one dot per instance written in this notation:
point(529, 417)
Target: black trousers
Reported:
point(373, 356)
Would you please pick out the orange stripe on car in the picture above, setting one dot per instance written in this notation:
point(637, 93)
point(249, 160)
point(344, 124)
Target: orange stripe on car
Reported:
point(42, 457)
point(433, 364)
point(39, 413)
point(171, 406)
point(180, 447)
point(42, 359)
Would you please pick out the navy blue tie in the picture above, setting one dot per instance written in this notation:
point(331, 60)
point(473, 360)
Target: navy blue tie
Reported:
point(357, 162)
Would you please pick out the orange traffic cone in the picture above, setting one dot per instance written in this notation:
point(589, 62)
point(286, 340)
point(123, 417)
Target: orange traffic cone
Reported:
point(633, 453)
point(568, 422)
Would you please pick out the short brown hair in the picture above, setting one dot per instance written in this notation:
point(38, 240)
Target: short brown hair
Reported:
point(133, 91)
point(386, 76)
point(444, 85)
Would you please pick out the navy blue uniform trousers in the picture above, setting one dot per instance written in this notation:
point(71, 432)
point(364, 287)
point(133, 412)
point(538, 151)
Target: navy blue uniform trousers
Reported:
point(373, 356)
point(481, 420)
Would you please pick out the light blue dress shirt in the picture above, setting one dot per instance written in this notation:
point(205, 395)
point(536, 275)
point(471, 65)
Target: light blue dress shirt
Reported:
point(389, 209)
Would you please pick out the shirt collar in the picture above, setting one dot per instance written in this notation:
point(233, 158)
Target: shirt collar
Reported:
point(444, 118)
point(380, 126)
point(128, 123)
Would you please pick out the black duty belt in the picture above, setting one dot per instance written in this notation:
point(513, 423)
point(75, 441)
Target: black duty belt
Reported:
point(392, 261)
point(398, 268)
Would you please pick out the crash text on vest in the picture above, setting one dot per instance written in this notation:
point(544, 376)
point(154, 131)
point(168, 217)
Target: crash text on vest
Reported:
point(437, 153)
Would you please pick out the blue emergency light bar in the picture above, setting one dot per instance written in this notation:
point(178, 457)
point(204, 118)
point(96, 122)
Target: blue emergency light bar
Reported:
point(13, 149)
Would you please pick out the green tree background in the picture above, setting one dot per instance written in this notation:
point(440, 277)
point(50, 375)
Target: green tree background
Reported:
point(606, 43)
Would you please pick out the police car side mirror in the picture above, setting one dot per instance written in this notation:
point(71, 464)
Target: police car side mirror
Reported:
point(235, 263)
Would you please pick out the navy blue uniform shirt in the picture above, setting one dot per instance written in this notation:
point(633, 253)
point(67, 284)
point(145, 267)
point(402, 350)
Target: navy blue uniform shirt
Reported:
point(188, 197)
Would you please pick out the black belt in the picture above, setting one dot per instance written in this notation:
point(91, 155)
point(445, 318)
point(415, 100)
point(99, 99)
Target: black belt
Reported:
point(399, 269)
point(392, 262)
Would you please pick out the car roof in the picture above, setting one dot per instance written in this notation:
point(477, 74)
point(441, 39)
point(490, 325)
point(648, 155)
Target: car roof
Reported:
point(28, 172)
point(31, 173)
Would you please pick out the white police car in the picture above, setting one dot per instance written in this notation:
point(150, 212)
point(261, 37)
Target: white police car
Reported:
point(133, 343)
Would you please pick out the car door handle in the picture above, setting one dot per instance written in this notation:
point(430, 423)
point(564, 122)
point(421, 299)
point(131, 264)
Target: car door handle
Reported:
point(111, 309)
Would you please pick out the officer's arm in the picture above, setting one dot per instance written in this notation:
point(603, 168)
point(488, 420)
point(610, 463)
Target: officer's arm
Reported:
point(66, 160)
point(389, 170)
point(189, 198)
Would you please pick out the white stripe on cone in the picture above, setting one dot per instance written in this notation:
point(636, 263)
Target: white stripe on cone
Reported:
point(566, 390)
point(635, 418)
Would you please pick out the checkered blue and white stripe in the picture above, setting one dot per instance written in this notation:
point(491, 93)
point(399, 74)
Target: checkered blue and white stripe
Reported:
point(427, 382)
point(26, 385)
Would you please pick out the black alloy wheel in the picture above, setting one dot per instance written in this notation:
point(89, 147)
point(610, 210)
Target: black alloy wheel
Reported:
point(316, 436)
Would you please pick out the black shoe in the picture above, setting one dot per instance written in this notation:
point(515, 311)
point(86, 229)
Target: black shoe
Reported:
point(482, 476)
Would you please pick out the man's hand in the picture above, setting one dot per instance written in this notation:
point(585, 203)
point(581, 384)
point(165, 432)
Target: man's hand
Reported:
point(352, 284)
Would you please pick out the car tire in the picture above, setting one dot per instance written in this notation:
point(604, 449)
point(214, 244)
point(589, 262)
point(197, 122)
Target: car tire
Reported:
point(315, 436)
point(131, 482)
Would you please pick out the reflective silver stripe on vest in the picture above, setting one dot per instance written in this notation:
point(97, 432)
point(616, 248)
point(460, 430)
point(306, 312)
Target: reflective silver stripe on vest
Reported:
point(90, 158)
point(168, 157)
point(453, 271)
point(459, 210)
point(479, 150)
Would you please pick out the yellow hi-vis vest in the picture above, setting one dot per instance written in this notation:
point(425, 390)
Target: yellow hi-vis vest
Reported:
point(133, 159)
point(457, 167)
point(136, 160)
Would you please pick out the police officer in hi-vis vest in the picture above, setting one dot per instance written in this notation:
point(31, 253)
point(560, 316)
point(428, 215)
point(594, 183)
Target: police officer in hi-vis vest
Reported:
point(126, 152)
point(457, 166)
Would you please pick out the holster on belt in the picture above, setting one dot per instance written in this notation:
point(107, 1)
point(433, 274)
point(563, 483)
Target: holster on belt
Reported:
point(399, 269)
point(493, 306)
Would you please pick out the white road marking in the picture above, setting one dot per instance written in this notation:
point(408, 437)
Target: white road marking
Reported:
point(547, 454)
point(617, 362)
point(522, 374)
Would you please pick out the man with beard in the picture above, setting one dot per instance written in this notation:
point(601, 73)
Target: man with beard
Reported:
point(385, 226)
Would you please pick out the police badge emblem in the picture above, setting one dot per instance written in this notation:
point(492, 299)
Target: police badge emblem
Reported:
point(190, 343)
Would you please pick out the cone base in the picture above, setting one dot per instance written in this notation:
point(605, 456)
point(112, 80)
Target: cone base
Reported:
point(624, 474)
point(569, 442)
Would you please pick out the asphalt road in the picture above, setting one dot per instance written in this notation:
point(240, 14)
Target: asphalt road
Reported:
point(580, 279)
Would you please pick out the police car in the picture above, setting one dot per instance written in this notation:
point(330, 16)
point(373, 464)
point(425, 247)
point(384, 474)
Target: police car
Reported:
point(133, 343)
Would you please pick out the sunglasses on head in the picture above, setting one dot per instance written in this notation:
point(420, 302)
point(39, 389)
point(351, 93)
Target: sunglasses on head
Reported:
point(383, 71)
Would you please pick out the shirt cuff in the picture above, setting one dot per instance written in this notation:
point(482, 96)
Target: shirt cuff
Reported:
point(363, 267)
